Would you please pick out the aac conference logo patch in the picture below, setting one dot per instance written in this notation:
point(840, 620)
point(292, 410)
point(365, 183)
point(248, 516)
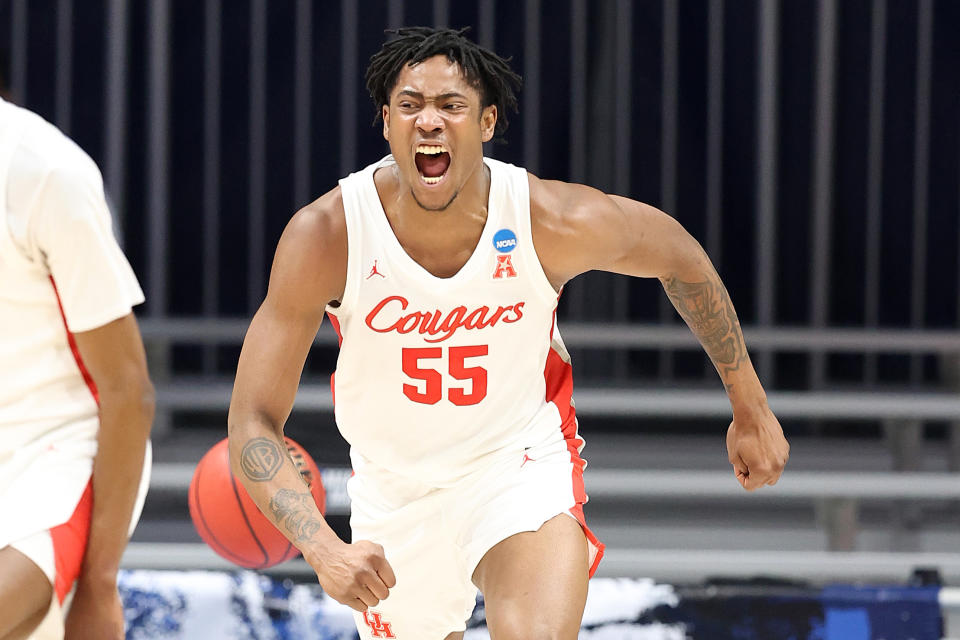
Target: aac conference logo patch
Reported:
point(505, 241)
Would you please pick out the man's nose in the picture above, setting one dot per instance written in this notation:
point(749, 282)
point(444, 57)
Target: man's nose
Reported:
point(429, 119)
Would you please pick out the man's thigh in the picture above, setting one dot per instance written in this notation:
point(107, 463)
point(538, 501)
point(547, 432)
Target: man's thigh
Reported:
point(534, 583)
point(25, 594)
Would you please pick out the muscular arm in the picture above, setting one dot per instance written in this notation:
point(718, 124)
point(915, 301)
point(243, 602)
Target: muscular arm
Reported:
point(114, 357)
point(309, 270)
point(577, 229)
point(699, 296)
point(585, 229)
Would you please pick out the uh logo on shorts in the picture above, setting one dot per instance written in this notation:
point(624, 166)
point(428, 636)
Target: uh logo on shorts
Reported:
point(378, 628)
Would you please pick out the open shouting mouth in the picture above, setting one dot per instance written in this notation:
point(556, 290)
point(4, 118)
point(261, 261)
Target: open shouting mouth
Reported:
point(432, 161)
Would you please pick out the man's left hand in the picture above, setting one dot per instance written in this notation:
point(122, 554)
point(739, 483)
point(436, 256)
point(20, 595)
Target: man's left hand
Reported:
point(757, 448)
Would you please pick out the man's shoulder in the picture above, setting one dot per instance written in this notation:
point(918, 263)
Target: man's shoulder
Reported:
point(45, 142)
point(318, 229)
point(45, 157)
point(323, 216)
point(311, 256)
point(558, 203)
point(49, 179)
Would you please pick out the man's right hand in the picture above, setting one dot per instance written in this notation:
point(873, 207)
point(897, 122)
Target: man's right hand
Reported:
point(357, 575)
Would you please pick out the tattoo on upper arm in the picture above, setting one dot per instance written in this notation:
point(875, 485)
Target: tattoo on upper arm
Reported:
point(291, 510)
point(260, 459)
point(707, 309)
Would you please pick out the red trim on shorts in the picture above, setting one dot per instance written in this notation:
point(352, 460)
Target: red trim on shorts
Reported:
point(70, 544)
point(559, 380)
point(73, 348)
point(333, 376)
point(336, 327)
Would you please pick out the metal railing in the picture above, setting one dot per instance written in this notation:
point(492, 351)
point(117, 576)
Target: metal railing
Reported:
point(710, 90)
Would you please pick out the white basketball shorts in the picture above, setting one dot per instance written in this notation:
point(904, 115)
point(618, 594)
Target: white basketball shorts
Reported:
point(434, 538)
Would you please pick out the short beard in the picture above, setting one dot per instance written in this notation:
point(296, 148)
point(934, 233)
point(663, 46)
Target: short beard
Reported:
point(441, 208)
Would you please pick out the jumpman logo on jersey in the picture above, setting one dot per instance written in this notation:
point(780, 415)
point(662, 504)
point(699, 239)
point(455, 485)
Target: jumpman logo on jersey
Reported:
point(526, 459)
point(375, 272)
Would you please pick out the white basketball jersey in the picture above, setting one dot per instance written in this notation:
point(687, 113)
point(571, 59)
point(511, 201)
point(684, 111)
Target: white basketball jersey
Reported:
point(61, 272)
point(437, 376)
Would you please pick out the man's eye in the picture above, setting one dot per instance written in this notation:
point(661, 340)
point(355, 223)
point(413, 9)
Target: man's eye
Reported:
point(454, 107)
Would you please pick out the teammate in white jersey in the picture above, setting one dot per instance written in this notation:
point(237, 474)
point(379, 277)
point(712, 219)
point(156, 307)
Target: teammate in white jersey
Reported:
point(440, 271)
point(76, 402)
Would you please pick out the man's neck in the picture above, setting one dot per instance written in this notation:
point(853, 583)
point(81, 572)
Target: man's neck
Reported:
point(466, 203)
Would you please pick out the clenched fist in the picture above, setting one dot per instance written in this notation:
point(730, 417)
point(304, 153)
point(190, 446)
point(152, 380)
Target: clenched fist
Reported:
point(357, 575)
point(757, 448)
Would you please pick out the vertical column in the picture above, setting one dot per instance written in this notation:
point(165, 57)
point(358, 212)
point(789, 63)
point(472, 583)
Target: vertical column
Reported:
point(115, 103)
point(486, 37)
point(486, 17)
point(921, 175)
point(952, 361)
point(668, 148)
point(531, 92)
point(878, 49)
point(578, 90)
point(714, 170)
point(158, 107)
point(905, 440)
point(714, 174)
point(348, 86)
point(18, 49)
point(622, 149)
point(395, 12)
point(211, 168)
point(840, 518)
point(441, 13)
point(575, 290)
point(767, 152)
point(257, 132)
point(822, 171)
point(158, 134)
point(302, 90)
point(64, 91)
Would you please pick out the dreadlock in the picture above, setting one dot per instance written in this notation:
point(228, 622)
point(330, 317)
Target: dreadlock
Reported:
point(484, 70)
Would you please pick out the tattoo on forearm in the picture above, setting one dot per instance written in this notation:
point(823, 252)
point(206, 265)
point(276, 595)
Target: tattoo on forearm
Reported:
point(260, 459)
point(292, 511)
point(707, 309)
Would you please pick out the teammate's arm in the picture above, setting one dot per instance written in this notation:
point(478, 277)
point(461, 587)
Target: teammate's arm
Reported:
point(581, 229)
point(114, 356)
point(309, 270)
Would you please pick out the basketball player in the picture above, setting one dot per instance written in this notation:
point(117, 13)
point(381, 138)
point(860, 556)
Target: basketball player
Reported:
point(76, 402)
point(440, 271)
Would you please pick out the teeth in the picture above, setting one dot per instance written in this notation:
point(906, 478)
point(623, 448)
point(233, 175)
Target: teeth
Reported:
point(431, 149)
point(429, 180)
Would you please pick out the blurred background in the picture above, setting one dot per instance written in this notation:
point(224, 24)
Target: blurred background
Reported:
point(811, 146)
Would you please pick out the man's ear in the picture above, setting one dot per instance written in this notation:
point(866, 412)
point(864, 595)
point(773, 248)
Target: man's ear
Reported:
point(385, 112)
point(488, 122)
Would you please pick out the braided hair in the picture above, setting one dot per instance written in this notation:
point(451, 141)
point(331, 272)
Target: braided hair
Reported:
point(484, 70)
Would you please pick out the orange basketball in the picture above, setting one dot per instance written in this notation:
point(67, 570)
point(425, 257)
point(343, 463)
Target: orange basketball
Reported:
point(227, 518)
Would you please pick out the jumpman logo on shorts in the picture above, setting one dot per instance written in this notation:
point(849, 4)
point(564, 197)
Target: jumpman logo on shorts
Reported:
point(375, 272)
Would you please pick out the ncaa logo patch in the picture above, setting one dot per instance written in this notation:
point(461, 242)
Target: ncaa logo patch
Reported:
point(505, 241)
